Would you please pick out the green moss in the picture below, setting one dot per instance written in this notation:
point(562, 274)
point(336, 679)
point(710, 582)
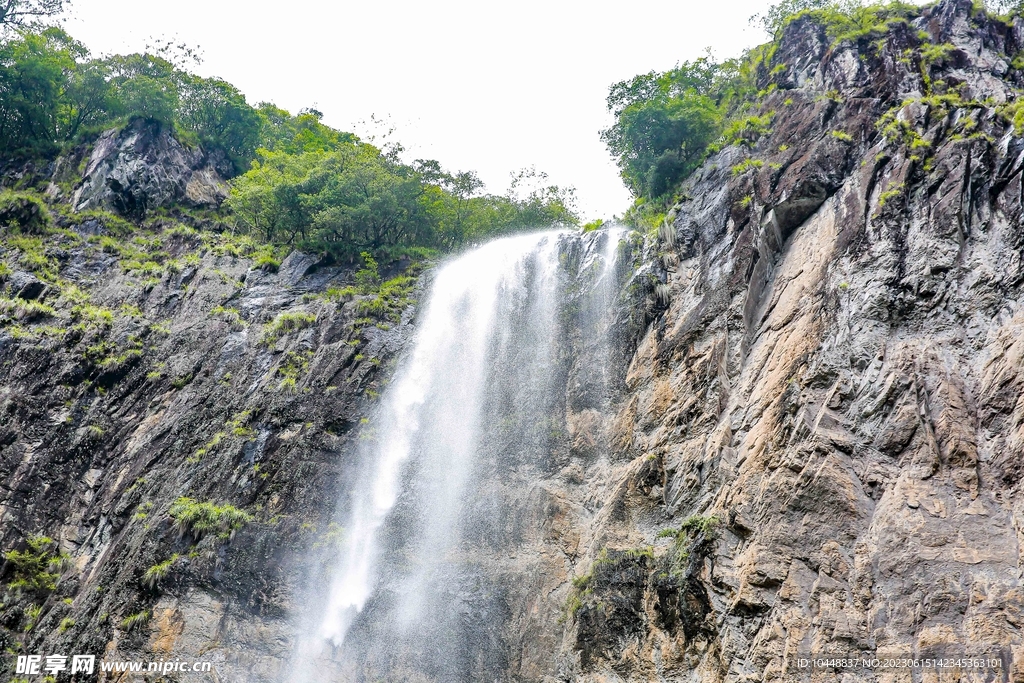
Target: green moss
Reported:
point(842, 135)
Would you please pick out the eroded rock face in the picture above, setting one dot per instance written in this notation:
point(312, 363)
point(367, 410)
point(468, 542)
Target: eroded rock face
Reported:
point(142, 167)
point(837, 378)
point(181, 394)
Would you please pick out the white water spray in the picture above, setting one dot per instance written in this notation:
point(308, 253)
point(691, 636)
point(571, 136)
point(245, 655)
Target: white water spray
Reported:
point(483, 363)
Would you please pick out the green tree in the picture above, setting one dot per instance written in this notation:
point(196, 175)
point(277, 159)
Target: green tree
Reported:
point(34, 74)
point(218, 113)
point(282, 132)
point(266, 199)
point(144, 86)
point(664, 124)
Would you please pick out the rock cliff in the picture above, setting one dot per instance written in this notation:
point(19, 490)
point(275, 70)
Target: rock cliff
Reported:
point(829, 407)
point(809, 441)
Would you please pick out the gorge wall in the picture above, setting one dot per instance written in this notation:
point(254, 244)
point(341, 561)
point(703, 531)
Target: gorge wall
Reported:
point(806, 437)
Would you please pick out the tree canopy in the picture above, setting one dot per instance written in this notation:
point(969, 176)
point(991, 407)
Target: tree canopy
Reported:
point(298, 181)
point(665, 122)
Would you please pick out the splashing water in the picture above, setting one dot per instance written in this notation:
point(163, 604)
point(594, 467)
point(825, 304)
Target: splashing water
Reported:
point(481, 378)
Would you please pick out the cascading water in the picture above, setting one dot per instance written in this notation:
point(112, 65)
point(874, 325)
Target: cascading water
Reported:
point(472, 409)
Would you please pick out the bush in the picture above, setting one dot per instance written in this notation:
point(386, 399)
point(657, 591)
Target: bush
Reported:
point(38, 567)
point(158, 572)
point(24, 211)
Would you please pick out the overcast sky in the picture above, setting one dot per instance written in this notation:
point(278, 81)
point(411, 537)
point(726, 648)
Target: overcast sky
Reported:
point(491, 87)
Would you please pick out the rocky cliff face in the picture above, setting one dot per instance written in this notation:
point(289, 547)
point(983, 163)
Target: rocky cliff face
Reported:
point(836, 381)
point(143, 167)
point(158, 370)
point(808, 441)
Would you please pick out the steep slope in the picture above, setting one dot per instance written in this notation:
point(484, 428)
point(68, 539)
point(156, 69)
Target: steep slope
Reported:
point(831, 398)
point(176, 408)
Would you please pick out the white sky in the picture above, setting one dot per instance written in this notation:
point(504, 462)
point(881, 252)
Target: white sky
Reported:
point(478, 86)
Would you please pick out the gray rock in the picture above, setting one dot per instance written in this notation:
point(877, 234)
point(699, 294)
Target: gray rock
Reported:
point(25, 285)
point(296, 266)
point(141, 167)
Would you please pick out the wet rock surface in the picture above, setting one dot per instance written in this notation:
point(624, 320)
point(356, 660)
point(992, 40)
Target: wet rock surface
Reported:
point(190, 399)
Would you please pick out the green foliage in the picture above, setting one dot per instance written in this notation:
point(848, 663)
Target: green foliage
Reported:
point(37, 568)
point(746, 165)
point(231, 315)
point(844, 20)
point(202, 518)
point(158, 572)
point(25, 311)
point(134, 622)
point(286, 323)
point(354, 198)
point(894, 190)
point(282, 132)
point(53, 91)
point(292, 367)
point(1013, 112)
point(746, 131)
point(25, 211)
point(842, 135)
point(693, 531)
point(664, 124)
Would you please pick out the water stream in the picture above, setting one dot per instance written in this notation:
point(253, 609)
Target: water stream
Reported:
point(473, 409)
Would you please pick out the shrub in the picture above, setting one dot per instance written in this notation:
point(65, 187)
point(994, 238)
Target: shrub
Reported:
point(746, 165)
point(38, 567)
point(267, 262)
point(25, 211)
point(694, 530)
point(158, 572)
point(133, 622)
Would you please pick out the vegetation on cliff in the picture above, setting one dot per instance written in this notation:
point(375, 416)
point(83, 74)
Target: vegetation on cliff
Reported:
point(300, 183)
point(667, 123)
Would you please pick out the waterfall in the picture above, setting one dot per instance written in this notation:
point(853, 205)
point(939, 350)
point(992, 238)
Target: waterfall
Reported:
point(472, 405)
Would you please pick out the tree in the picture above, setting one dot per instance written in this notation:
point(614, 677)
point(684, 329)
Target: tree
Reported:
point(664, 124)
point(34, 74)
point(217, 112)
point(21, 13)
